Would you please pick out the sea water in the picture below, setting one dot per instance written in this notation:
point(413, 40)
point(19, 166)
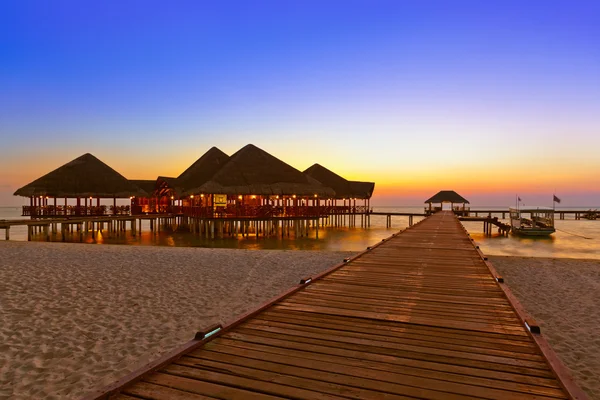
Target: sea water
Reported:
point(573, 238)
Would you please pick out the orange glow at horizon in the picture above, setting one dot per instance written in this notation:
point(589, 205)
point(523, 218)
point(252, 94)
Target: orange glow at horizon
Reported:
point(399, 178)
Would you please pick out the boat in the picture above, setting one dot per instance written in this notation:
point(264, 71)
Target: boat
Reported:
point(532, 221)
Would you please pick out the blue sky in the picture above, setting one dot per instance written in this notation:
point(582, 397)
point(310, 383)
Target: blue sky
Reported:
point(417, 96)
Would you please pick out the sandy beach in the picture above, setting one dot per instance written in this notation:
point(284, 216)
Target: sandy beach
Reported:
point(74, 317)
point(563, 296)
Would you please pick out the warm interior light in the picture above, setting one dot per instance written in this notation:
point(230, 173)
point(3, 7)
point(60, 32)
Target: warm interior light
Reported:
point(172, 197)
point(240, 197)
point(277, 196)
point(294, 196)
point(253, 196)
point(201, 195)
point(192, 196)
point(315, 195)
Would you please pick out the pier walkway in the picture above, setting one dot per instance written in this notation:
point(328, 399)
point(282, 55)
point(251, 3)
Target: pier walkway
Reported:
point(420, 315)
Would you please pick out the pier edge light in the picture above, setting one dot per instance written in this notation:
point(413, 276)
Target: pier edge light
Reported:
point(316, 195)
point(294, 196)
point(240, 197)
point(277, 196)
point(202, 195)
point(191, 196)
point(253, 196)
point(172, 197)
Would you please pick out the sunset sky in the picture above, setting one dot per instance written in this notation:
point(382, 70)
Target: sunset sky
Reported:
point(488, 98)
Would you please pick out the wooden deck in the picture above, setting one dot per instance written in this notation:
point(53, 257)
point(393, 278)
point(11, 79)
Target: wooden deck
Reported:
point(420, 315)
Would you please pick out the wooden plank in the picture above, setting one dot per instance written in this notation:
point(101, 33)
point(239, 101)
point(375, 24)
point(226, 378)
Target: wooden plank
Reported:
point(124, 397)
point(224, 376)
point(145, 390)
point(194, 386)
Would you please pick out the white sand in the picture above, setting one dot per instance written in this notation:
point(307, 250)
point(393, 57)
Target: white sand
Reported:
point(563, 295)
point(74, 317)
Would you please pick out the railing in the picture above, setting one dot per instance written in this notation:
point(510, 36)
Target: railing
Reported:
point(229, 211)
point(266, 211)
point(74, 211)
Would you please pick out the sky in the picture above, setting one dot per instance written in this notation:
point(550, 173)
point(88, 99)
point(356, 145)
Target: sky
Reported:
point(488, 98)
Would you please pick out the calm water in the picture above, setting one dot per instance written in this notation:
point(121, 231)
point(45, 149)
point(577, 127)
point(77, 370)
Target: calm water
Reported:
point(568, 241)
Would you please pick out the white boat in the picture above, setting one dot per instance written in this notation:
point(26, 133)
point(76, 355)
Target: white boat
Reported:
point(532, 221)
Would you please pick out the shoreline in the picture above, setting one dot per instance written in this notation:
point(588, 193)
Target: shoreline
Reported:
point(79, 317)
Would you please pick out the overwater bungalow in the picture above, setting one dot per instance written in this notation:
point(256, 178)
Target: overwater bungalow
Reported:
point(250, 184)
point(458, 204)
point(86, 180)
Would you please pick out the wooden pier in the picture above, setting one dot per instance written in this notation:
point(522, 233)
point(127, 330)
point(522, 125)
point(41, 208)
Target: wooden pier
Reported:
point(560, 213)
point(488, 222)
point(420, 315)
point(389, 215)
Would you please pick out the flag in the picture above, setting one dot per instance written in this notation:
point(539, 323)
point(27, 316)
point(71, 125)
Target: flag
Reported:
point(519, 198)
point(556, 199)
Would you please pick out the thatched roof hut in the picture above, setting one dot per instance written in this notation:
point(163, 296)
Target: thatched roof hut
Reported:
point(447, 196)
point(343, 187)
point(201, 171)
point(254, 171)
point(85, 176)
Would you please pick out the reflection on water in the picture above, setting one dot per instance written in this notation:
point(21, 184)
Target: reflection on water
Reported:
point(563, 243)
point(566, 242)
point(332, 239)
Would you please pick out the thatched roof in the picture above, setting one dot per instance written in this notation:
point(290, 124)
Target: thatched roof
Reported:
point(254, 171)
point(343, 187)
point(201, 171)
point(147, 185)
point(330, 179)
point(362, 190)
point(447, 196)
point(85, 176)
